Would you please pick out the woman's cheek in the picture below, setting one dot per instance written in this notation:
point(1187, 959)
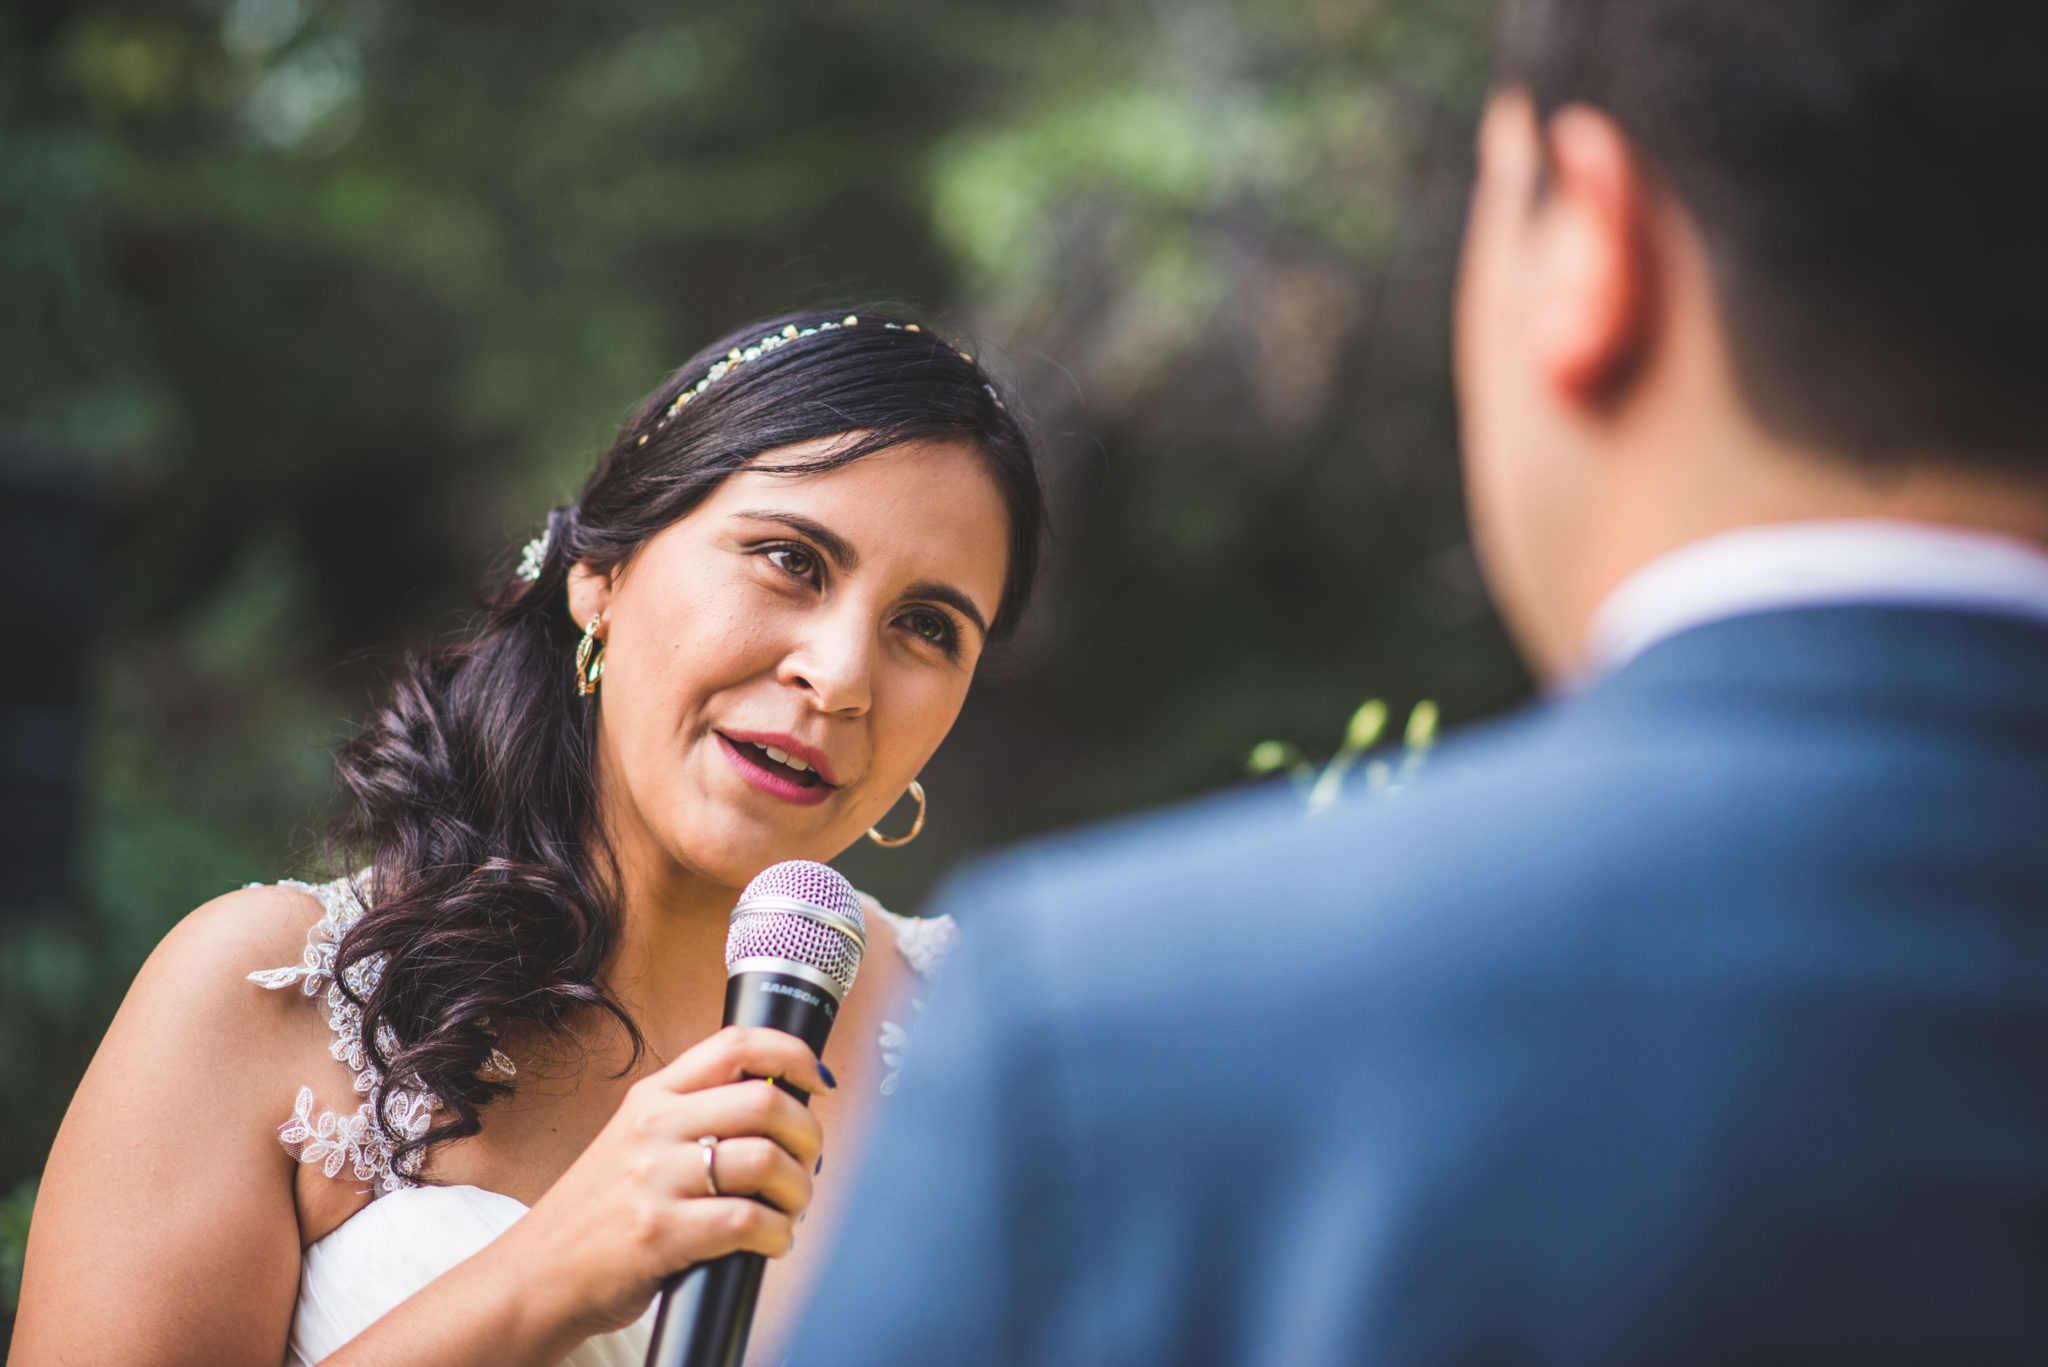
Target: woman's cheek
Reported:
point(927, 708)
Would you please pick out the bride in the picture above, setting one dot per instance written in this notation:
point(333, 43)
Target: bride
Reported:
point(491, 1052)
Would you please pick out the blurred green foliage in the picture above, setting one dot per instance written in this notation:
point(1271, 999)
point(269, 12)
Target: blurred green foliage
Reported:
point(1321, 788)
point(14, 1212)
point(335, 297)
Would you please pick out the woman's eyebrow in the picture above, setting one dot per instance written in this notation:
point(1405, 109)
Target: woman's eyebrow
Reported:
point(840, 550)
point(835, 546)
point(934, 591)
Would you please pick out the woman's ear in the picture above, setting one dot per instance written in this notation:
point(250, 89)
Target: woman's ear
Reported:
point(590, 593)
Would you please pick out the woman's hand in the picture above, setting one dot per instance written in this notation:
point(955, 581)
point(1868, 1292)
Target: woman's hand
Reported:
point(636, 1205)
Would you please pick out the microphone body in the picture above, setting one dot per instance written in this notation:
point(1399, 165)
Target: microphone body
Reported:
point(795, 945)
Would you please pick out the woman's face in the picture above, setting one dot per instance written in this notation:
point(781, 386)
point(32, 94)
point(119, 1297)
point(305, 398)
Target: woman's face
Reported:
point(780, 663)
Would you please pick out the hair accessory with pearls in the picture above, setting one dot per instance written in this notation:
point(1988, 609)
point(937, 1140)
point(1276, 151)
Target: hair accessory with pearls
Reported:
point(739, 356)
point(532, 556)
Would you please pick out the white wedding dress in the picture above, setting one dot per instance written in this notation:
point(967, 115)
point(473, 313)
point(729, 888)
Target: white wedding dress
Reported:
point(411, 1232)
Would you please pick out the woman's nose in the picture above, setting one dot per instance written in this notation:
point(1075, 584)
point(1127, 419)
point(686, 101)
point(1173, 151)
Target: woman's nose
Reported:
point(834, 663)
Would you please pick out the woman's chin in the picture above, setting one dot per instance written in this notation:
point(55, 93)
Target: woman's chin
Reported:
point(736, 845)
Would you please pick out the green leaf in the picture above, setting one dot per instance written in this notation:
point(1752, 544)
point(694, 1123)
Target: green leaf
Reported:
point(1366, 725)
point(1271, 756)
point(1421, 726)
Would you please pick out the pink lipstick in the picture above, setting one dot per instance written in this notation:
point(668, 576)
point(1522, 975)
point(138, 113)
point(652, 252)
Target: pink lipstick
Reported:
point(763, 761)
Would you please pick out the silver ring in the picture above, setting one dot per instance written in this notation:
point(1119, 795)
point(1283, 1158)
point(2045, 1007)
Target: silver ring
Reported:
point(709, 1143)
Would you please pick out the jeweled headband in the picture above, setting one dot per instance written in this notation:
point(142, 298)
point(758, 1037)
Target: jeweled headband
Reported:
point(535, 553)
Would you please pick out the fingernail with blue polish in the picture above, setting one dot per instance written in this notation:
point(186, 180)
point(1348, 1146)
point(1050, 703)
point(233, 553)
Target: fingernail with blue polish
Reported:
point(831, 1082)
point(820, 1166)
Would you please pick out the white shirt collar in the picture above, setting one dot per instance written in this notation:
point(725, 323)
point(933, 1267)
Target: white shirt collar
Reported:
point(1815, 564)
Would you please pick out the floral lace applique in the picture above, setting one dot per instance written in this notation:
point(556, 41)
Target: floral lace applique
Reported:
point(356, 1144)
point(924, 942)
point(355, 1141)
point(330, 1140)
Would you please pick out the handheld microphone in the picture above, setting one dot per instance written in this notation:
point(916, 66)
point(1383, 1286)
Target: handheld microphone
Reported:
point(791, 956)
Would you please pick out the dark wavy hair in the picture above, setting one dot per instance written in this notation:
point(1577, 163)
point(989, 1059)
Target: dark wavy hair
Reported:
point(492, 898)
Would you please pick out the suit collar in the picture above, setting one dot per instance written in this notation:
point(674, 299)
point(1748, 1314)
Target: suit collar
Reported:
point(1818, 564)
point(1876, 656)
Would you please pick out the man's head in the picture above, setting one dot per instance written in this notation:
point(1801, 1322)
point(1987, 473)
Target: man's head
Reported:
point(1739, 261)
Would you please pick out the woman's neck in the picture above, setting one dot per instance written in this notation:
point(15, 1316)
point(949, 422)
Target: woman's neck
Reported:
point(668, 967)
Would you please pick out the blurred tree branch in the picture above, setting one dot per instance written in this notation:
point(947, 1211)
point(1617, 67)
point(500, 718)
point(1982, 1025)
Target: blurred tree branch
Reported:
point(337, 296)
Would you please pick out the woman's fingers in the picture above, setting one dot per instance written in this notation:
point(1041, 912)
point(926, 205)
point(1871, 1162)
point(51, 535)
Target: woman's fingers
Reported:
point(734, 1224)
point(747, 1166)
point(743, 1108)
point(638, 1203)
point(738, 1052)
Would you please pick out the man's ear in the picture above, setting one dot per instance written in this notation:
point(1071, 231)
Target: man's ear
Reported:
point(1597, 301)
point(590, 593)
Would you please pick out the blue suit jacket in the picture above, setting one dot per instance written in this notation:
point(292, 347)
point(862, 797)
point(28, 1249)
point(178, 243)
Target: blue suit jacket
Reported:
point(1701, 1017)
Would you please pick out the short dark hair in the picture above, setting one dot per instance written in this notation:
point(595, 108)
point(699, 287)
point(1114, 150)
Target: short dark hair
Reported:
point(1864, 174)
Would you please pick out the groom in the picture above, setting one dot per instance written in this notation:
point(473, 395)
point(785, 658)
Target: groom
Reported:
point(1699, 1015)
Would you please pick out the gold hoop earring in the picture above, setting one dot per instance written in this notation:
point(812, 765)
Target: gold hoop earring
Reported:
point(890, 842)
point(590, 658)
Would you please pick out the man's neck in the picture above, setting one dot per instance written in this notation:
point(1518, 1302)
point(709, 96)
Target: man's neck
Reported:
point(1671, 504)
point(1804, 565)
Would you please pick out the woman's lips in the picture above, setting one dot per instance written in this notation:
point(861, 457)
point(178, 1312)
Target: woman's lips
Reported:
point(753, 766)
point(802, 756)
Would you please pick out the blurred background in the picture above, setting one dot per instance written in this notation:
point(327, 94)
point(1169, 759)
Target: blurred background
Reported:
point(310, 308)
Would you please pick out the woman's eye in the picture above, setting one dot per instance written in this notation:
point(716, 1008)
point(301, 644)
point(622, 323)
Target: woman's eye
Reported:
point(794, 560)
point(931, 626)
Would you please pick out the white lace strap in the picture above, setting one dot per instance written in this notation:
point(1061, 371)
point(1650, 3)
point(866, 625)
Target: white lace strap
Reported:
point(924, 942)
point(334, 1141)
point(314, 971)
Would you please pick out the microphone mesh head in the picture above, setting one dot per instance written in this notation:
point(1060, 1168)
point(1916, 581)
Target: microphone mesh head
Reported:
point(815, 884)
point(771, 921)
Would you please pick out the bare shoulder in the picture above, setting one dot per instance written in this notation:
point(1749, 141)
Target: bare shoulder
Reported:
point(193, 1002)
point(166, 1211)
point(261, 926)
point(197, 978)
